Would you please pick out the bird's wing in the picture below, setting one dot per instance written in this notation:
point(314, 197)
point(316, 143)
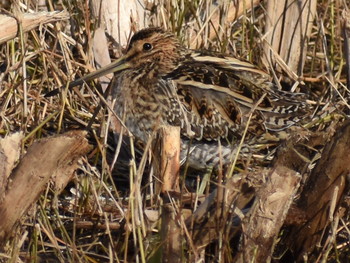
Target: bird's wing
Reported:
point(217, 94)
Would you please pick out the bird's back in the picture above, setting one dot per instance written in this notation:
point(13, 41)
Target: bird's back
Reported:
point(215, 95)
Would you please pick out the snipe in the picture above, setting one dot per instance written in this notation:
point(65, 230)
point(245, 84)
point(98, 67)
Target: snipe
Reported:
point(210, 96)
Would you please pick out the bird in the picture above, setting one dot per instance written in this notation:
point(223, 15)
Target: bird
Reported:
point(212, 97)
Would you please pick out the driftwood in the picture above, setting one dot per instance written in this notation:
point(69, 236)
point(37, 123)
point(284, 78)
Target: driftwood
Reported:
point(51, 158)
point(10, 25)
point(322, 194)
point(267, 215)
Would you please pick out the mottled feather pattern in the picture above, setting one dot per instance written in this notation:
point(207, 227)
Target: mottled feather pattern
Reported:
point(210, 96)
point(219, 92)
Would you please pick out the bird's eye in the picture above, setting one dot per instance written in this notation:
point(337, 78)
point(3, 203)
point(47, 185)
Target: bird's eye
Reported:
point(147, 46)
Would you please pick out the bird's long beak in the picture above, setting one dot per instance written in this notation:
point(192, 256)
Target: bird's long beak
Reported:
point(116, 66)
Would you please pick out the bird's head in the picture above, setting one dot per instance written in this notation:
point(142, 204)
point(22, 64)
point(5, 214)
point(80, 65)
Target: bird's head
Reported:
point(153, 49)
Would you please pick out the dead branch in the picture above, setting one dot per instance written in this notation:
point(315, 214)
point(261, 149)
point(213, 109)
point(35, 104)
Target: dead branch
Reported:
point(267, 215)
point(54, 157)
point(323, 192)
point(170, 159)
point(171, 232)
point(9, 25)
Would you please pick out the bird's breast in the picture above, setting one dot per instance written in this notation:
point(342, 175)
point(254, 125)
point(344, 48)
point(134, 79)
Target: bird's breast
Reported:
point(139, 106)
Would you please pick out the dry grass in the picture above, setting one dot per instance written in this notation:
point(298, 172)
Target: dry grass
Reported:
point(108, 215)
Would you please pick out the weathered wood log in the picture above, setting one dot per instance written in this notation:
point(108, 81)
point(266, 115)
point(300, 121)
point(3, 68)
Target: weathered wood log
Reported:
point(267, 215)
point(322, 193)
point(9, 25)
point(50, 158)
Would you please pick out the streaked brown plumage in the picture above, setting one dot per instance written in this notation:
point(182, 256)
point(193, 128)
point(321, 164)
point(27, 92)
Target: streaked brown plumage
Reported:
point(210, 96)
